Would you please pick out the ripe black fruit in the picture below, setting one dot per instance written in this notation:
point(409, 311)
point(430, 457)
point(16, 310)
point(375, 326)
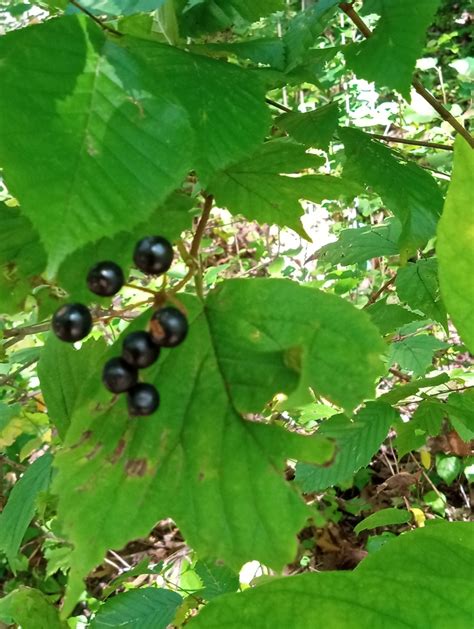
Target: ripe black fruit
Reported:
point(72, 322)
point(139, 350)
point(105, 278)
point(168, 327)
point(118, 376)
point(153, 255)
point(143, 399)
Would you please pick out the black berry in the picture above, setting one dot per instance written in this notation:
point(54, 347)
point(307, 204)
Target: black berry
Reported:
point(72, 322)
point(105, 278)
point(168, 327)
point(153, 255)
point(118, 376)
point(143, 399)
point(139, 350)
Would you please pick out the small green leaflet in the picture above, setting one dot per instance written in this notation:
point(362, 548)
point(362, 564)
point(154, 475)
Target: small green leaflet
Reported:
point(418, 287)
point(460, 408)
point(363, 243)
point(93, 127)
point(313, 128)
point(303, 30)
point(455, 245)
point(448, 467)
point(216, 579)
point(388, 57)
point(404, 391)
point(19, 510)
point(407, 190)
point(384, 517)
point(30, 609)
point(390, 317)
point(198, 461)
point(415, 353)
point(257, 189)
point(61, 372)
point(425, 422)
point(356, 442)
point(420, 593)
point(143, 608)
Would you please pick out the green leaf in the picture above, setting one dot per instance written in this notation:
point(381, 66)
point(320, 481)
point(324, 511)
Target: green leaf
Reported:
point(267, 51)
point(455, 246)
point(31, 609)
point(199, 461)
point(335, 351)
point(404, 391)
point(194, 460)
point(61, 371)
point(206, 16)
point(144, 608)
point(92, 127)
point(257, 189)
point(356, 441)
point(216, 579)
point(7, 413)
point(418, 287)
point(170, 220)
point(425, 422)
point(448, 467)
point(363, 243)
point(120, 7)
point(313, 128)
point(384, 517)
point(388, 57)
point(20, 508)
point(304, 28)
point(415, 353)
point(390, 317)
point(421, 595)
point(460, 408)
point(20, 243)
point(436, 501)
point(406, 189)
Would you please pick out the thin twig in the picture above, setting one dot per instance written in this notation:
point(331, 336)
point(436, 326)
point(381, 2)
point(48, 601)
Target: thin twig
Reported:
point(399, 374)
point(27, 330)
point(427, 478)
point(98, 21)
point(16, 466)
point(416, 83)
point(377, 136)
point(13, 375)
point(278, 105)
point(391, 138)
point(142, 288)
point(373, 298)
point(206, 211)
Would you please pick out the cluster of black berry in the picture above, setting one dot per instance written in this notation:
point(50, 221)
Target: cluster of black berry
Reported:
point(168, 326)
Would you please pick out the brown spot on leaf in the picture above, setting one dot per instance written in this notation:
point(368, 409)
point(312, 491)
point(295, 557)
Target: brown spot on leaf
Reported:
point(96, 449)
point(201, 476)
point(85, 436)
point(117, 453)
point(136, 467)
